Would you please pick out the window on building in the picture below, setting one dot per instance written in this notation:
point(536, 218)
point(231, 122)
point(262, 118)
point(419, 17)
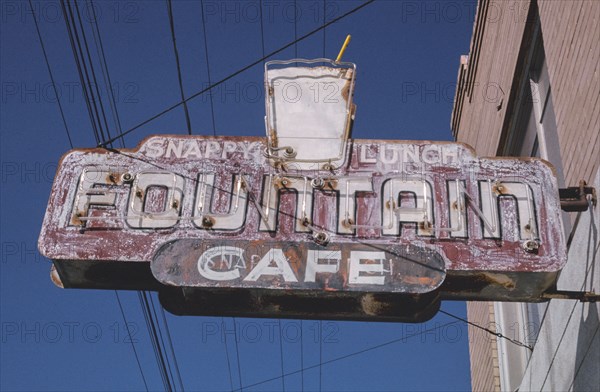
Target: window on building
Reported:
point(533, 133)
point(542, 115)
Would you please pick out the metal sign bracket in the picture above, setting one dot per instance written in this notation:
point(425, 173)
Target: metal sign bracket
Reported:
point(576, 198)
point(582, 296)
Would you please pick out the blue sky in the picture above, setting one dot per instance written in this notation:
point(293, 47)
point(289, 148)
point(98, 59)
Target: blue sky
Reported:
point(407, 56)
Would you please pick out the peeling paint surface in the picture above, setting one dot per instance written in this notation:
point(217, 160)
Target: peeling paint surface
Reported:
point(119, 215)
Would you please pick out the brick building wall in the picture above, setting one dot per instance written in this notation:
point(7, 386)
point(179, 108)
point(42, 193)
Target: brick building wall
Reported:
point(483, 351)
point(488, 100)
point(571, 32)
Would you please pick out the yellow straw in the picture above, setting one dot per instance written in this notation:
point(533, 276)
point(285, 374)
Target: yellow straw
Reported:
point(344, 46)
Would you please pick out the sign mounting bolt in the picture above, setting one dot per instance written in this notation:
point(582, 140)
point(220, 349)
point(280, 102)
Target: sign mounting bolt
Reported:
point(321, 238)
point(530, 246)
point(347, 223)
point(208, 221)
point(317, 183)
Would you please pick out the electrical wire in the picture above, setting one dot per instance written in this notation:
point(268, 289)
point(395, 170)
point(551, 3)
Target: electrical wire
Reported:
point(155, 341)
point(281, 356)
point(100, 135)
point(236, 73)
point(227, 354)
point(98, 120)
point(497, 334)
point(154, 348)
point(105, 72)
point(340, 358)
point(93, 73)
point(302, 353)
point(60, 108)
point(164, 318)
point(296, 30)
point(237, 353)
point(212, 106)
point(188, 123)
point(150, 325)
point(262, 29)
point(82, 79)
point(324, 30)
point(320, 354)
point(137, 359)
point(161, 342)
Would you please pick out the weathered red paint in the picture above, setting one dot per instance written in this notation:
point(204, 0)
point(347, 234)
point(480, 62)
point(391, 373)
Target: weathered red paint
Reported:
point(86, 252)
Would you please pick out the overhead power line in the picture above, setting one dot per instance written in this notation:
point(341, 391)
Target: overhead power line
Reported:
point(185, 107)
point(262, 29)
point(259, 61)
point(161, 342)
point(95, 107)
point(154, 339)
point(60, 108)
point(171, 363)
point(227, 353)
point(101, 132)
point(495, 333)
point(296, 41)
point(376, 347)
point(320, 354)
point(80, 71)
point(324, 30)
point(212, 106)
point(302, 354)
point(105, 72)
point(402, 339)
point(95, 87)
point(281, 356)
point(170, 341)
point(237, 353)
point(137, 358)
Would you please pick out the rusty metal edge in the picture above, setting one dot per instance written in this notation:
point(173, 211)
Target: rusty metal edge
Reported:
point(458, 285)
point(265, 304)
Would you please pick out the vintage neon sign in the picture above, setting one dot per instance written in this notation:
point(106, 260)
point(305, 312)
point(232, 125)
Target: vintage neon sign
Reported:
point(305, 222)
point(476, 214)
point(404, 179)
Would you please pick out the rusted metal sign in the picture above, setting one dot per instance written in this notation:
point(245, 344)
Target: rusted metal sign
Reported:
point(305, 223)
point(299, 265)
point(401, 218)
